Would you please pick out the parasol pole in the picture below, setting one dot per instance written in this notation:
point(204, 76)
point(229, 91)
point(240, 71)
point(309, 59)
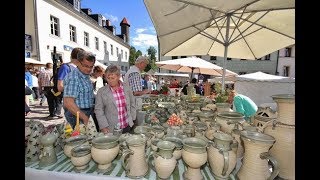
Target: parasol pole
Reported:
point(226, 44)
point(192, 68)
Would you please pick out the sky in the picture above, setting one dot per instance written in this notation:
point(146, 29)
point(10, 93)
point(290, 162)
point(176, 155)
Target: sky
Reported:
point(142, 32)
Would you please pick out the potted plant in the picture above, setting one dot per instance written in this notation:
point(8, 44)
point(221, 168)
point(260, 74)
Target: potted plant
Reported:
point(221, 98)
point(164, 89)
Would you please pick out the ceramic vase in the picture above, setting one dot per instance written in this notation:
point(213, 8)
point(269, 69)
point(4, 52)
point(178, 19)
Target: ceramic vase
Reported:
point(32, 151)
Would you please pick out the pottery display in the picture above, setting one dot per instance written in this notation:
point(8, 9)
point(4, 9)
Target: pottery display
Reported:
point(162, 161)
point(256, 157)
point(212, 127)
point(263, 115)
point(133, 158)
point(229, 120)
point(221, 157)
point(72, 142)
point(80, 157)
point(32, 150)
point(48, 155)
point(194, 154)
point(104, 150)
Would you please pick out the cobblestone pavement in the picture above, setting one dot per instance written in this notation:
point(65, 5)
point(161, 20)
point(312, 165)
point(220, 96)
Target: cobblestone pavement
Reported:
point(40, 113)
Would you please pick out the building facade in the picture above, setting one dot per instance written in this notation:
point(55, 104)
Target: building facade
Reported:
point(286, 65)
point(64, 25)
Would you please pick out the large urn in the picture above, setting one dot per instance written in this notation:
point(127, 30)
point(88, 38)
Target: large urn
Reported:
point(256, 157)
point(222, 159)
point(229, 121)
point(194, 154)
point(283, 130)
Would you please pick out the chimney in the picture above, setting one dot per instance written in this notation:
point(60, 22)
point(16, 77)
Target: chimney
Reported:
point(103, 22)
point(108, 23)
point(125, 29)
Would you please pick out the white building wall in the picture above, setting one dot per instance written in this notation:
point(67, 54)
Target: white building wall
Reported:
point(45, 8)
point(287, 62)
point(29, 27)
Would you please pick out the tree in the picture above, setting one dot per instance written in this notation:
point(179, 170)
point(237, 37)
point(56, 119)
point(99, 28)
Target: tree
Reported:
point(152, 58)
point(132, 55)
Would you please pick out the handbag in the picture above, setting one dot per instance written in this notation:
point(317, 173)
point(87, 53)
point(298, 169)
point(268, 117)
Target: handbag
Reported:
point(28, 91)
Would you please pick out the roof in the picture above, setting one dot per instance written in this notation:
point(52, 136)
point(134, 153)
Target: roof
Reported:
point(124, 21)
point(260, 76)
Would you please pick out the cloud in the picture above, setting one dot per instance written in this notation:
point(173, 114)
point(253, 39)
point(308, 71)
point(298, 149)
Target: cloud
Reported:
point(140, 30)
point(143, 38)
point(112, 18)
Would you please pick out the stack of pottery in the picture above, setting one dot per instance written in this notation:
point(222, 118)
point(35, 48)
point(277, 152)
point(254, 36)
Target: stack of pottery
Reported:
point(104, 150)
point(221, 157)
point(162, 161)
point(80, 157)
point(133, 158)
point(255, 160)
point(283, 130)
point(194, 154)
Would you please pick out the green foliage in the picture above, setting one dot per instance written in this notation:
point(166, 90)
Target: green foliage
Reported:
point(221, 97)
point(152, 59)
point(164, 89)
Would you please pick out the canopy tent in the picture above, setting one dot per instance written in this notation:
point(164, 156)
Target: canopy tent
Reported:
point(97, 63)
point(260, 86)
point(171, 74)
point(33, 61)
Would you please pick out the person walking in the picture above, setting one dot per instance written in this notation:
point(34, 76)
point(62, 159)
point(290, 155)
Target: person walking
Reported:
point(78, 93)
point(115, 103)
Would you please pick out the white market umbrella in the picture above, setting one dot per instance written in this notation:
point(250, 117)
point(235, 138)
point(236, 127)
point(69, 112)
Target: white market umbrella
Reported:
point(193, 65)
point(246, 29)
point(33, 61)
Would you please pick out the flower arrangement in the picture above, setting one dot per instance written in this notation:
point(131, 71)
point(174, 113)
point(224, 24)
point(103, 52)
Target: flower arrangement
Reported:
point(221, 97)
point(174, 120)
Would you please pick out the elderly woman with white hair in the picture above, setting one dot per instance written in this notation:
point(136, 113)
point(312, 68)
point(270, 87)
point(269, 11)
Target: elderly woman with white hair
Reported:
point(115, 104)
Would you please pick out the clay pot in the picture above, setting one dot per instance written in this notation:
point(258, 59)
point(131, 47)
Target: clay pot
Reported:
point(72, 142)
point(80, 157)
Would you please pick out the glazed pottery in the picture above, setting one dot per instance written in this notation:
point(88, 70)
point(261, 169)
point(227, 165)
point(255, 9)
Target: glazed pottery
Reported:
point(263, 115)
point(221, 157)
point(177, 153)
point(229, 120)
point(256, 157)
point(72, 142)
point(32, 150)
point(222, 107)
point(162, 161)
point(194, 154)
point(104, 150)
point(48, 155)
point(80, 157)
point(133, 158)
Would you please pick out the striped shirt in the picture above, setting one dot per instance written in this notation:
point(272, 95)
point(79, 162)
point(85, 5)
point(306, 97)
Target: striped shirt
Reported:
point(79, 86)
point(121, 106)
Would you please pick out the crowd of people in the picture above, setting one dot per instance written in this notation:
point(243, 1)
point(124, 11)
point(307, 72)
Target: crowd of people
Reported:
point(113, 101)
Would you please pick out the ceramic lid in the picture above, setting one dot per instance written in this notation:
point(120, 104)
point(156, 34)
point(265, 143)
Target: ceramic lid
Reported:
point(257, 136)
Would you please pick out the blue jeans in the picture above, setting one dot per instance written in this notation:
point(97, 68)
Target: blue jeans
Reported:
point(72, 119)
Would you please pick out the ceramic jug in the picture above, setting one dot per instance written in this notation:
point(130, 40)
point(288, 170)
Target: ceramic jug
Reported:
point(283, 130)
point(177, 153)
point(162, 161)
point(255, 160)
point(194, 154)
point(221, 157)
point(133, 158)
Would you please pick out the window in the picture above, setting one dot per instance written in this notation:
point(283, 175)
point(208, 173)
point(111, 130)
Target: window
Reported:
point(213, 58)
point(54, 23)
point(86, 39)
point(96, 40)
point(287, 52)
point(73, 35)
point(183, 56)
point(117, 51)
point(174, 57)
point(242, 72)
point(259, 59)
point(267, 57)
point(105, 47)
point(126, 55)
point(76, 4)
point(243, 59)
point(198, 56)
point(121, 54)
point(111, 49)
point(229, 59)
point(286, 71)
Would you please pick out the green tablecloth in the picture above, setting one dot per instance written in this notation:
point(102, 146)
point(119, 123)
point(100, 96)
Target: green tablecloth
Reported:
point(64, 165)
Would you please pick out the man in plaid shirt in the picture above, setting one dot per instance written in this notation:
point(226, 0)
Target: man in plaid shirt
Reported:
point(133, 79)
